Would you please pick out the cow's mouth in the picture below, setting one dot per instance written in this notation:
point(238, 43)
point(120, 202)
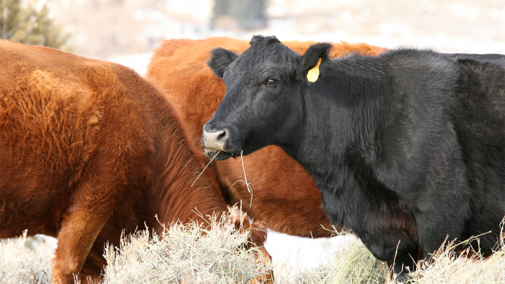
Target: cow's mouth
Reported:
point(219, 155)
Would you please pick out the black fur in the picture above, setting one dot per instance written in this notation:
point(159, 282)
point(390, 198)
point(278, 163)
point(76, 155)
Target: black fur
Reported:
point(407, 148)
point(220, 59)
point(483, 58)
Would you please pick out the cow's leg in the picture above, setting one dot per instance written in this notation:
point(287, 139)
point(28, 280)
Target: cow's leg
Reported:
point(257, 238)
point(91, 206)
point(79, 230)
point(93, 266)
point(403, 264)
point(433, 232)
point(401, 257)
point(443, 208)
point(443, 218)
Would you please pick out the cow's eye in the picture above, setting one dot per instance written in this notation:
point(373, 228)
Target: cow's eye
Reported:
point(270, 82)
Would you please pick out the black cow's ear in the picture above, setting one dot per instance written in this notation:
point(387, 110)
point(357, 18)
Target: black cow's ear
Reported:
point(309, 65)
point(220, 59)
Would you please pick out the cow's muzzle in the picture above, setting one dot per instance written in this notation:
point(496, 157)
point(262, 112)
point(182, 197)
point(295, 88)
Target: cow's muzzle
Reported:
point(215, 141)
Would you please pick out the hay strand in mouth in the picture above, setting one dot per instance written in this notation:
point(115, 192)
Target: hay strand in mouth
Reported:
point(248, 185)
point(205, 167)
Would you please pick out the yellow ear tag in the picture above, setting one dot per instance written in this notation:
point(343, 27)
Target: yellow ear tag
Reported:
point(313, 73)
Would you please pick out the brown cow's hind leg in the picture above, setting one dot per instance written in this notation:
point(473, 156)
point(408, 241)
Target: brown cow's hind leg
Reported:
point(79, 230)
point(93, 266)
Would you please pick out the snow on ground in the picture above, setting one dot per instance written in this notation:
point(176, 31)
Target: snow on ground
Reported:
point(293, 255)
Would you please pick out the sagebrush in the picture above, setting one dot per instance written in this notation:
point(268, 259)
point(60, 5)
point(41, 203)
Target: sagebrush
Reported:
point(192, 253)
point(184, 253)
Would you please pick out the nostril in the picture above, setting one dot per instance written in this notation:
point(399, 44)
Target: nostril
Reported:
point(222, 136)
point(215, 140)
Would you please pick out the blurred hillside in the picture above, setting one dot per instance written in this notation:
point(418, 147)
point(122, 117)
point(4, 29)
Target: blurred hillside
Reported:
point(447, 25)
point(111, 28)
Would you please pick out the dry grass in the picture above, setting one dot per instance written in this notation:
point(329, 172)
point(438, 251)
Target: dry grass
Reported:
point(26, 260)
point(193, 254)
point(469, 267)
point(185, 254)
point(352, 264)
point(355, 264)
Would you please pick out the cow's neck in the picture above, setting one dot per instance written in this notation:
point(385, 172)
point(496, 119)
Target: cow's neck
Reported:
point(339, 125)
point(175, 166)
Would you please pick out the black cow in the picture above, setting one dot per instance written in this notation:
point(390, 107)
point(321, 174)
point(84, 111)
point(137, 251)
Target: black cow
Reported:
point(483, 58)
point(407, 148)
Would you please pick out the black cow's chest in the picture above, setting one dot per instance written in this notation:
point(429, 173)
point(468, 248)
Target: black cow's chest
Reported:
point(354, 191)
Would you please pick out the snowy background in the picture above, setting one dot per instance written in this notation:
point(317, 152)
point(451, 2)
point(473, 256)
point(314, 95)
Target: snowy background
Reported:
point(112, 28)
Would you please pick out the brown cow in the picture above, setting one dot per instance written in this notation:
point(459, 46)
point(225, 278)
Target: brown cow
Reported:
point(88, 149)
point(180, 68)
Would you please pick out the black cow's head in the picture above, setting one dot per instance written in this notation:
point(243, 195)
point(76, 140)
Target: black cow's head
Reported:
point(264, 95)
